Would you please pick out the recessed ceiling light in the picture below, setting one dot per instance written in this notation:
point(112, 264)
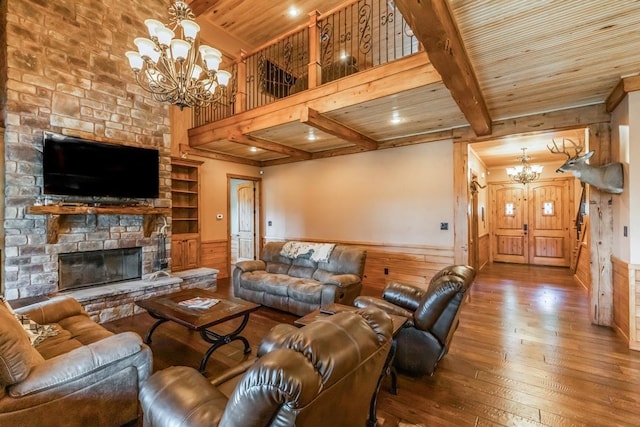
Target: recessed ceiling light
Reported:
point(294, 11)
point(395, 118)
point(311, 135)
point(253, 149)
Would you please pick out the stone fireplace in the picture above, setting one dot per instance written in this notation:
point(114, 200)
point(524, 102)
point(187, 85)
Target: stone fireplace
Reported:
point(94, 268)
point(85, 88)
point(63, 70)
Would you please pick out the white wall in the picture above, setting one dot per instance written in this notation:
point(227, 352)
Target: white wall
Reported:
point(213, 195)
point(632, 184)
point(395, 196)
point(620, 140)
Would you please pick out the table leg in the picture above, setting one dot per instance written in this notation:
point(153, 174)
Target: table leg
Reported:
point(161, 320)
point(218, 340)
point(387, 369)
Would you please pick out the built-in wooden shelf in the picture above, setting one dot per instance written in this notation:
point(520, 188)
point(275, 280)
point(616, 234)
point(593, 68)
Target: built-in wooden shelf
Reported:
point(55, 212)
point(185, 213)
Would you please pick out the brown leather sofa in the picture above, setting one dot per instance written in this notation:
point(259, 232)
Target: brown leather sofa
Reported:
point(300, 285)
point(324, 374)
point(83, 376)
point(433, 317)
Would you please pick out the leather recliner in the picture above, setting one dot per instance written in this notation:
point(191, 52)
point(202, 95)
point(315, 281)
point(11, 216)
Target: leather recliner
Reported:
point(323, 374)
point(432, 315)
point(83, 376)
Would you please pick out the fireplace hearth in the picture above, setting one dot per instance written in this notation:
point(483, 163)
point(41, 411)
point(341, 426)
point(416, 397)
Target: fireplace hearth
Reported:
point(94, 268)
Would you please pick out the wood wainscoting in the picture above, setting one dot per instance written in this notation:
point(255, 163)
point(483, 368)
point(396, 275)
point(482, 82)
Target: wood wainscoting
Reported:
point(213, 254)
point(411, 264)
point(484, 250)
point(621, 292)
point(626, 294)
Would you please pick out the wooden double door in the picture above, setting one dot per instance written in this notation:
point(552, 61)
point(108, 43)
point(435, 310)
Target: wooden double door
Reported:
point(532, 223)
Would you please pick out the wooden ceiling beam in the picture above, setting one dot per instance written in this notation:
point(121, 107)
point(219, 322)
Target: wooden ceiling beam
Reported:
point(218, 156)
point(543, 122)
point(433, 25)
point(201, 6)
point(571, 118)
point(264, 144)
point(624, 86)
point(313, 118)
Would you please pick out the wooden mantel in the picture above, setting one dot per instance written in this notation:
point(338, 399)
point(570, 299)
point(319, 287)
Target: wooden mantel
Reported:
point(55, 212)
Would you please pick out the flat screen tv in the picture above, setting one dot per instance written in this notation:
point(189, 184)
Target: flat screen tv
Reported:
point(78, 167)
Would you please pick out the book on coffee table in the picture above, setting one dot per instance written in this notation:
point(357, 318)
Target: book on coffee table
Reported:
point(199, 302)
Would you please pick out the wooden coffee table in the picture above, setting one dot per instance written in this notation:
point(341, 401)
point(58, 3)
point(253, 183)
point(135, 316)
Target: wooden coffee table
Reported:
point(167, 308)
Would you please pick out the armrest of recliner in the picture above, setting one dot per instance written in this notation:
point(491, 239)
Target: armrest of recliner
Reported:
point(406, 296)
point(251, 265)
point(78, 363)
point(52, 310)
point(342, 280)
point(387, 307)
point(181, 396)
point(233, 372)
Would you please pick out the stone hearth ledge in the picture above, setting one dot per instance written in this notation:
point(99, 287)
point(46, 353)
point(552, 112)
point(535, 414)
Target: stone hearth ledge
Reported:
point(117, 300)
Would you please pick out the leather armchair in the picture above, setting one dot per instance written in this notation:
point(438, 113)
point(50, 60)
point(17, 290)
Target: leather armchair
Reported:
point(433, 317)
point(84, 375)
point(323, 374)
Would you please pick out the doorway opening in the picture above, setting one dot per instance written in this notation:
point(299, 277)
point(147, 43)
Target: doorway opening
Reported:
point(532, 223)
point(244, 218)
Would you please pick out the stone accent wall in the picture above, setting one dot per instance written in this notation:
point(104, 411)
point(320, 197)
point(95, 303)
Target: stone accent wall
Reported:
point(66, 72)
point(3, 61)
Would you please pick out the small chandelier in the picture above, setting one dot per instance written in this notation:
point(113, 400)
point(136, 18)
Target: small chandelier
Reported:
point(173, 69)
point(524, 173)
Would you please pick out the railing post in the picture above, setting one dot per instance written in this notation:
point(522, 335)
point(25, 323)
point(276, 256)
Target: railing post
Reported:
point(315, 70)
point(241, 94)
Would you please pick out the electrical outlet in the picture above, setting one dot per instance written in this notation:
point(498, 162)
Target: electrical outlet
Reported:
point(444, 226)
point(625, 231)
point(269, 223)
point(386, 270)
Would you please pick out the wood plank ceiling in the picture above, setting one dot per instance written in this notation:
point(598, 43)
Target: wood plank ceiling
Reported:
point(494, 61)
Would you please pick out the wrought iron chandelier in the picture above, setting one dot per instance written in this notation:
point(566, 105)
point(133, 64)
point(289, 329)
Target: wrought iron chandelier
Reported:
point(173, 68)
point(524, 173)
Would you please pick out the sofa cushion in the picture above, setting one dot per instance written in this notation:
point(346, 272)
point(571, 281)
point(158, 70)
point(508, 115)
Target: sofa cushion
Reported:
point(277, 268)
point(309, 291)
point(345, 259)
point(75, 332)
point(17, 356)
point(302, 268)
point(275, 284)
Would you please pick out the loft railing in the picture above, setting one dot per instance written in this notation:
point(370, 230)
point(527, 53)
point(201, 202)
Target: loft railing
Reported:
point(350, 39)
point(276, 70)
point(222, 108)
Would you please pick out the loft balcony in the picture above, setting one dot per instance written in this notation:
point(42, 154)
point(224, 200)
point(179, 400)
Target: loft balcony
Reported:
point(352, 80)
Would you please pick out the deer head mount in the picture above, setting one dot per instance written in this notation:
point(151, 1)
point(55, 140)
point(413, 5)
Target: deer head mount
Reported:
point(608, 178)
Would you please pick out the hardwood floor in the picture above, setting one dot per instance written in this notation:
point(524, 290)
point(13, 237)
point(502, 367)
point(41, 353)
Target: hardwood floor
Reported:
point(525, 354)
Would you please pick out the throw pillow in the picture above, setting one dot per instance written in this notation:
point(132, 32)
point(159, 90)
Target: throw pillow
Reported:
point(36, 332)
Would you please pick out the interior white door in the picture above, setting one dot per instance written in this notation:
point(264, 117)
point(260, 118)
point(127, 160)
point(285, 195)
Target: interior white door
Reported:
point(246, 220)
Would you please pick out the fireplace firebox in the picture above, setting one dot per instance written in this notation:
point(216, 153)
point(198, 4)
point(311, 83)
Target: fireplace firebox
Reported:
point(93, 268)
